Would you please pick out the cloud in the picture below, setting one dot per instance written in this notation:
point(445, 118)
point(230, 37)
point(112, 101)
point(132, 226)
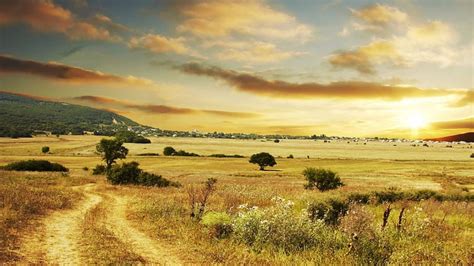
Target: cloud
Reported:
point(250, 52)
point(281, 89)
point(46, 16)
point(378, 17)
point(218, 18)
point(57, 71)
point(465, 123)
point(430, 42)
point(162, 109)
point(466, 100)
point(159, 44)
point(364, 58)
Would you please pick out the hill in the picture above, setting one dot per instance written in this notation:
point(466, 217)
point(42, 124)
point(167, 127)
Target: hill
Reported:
point(467, 137)
point(21, 116)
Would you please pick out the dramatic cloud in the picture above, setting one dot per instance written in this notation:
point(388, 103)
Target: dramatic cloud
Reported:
point(282, 89)
point(466, 123)
point(218, 18)
point(364, 58)
point(377, 17)
point(159, 44)
point(466, 100)
point(431, 42)
point(56, 71)
point(162, 109)
point(250, 52)
point(45, 16)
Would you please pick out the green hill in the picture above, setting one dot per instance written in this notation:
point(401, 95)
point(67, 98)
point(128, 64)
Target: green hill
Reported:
point(22, 116)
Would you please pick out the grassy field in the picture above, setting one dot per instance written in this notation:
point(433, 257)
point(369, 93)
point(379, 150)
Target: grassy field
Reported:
point(161, 215)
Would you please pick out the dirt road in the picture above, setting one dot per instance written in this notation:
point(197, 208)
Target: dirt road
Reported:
point(58, 239)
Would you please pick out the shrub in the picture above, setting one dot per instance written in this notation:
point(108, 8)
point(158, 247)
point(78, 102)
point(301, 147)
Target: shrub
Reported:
point(329, 211)
point(127, 173)
point(36, 165)
point(219, 223)
point(131, 137)
point(185, 153)
point(149, 179)
point(422, 195)
point(263, 159)
point(45, 149)
point(169, 151)
point(290, 156)
point(360, 198)
point(280, 228)
point(472, 155)
point(99, 169)
point(198, 197)
point(322, 179)
point(389, 195)
point(276, 141)
point(130, 173)
point(85, 168)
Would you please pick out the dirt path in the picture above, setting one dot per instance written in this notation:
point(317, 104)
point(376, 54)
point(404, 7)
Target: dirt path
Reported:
point(139, 242)
point(58, 238)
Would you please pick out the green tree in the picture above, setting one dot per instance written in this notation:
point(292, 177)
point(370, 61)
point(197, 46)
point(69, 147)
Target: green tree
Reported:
point(45, 149)
point(111, 150)
point(263, 160)
point(168, 151)
point(322, 179)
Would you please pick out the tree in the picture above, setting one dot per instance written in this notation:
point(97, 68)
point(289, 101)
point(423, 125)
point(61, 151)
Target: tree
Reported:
point(322, 179)
point(45, 149)
point(168, 151)
point(111, 150)
point(263, 159)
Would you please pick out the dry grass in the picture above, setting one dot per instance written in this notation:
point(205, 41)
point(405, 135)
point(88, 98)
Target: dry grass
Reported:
point(25, 197)
point(163, 213)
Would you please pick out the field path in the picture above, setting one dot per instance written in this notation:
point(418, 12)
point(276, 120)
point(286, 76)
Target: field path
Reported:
point(64, 229)
point(57, 239)
point(140, 243)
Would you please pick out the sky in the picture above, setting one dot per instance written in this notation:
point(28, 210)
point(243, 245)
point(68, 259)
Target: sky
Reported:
point(401, 68)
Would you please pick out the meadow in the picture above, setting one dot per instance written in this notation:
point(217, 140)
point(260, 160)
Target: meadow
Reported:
point(134, 224)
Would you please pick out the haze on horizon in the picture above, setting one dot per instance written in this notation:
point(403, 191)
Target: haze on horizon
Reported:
point(400, 68)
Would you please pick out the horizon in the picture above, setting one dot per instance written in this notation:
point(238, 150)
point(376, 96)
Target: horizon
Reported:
point(396, 69)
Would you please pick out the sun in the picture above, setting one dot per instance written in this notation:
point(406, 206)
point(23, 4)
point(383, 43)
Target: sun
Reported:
point(416, 121)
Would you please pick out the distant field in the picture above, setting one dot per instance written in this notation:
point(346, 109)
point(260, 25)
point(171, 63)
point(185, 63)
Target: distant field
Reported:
point(373, 165)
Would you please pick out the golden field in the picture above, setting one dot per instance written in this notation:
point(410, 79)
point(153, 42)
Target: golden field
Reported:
point(133, 224)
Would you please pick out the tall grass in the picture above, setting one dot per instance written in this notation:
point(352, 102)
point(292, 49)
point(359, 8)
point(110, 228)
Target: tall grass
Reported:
point(24, 197)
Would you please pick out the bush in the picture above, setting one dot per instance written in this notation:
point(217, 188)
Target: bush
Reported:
point(45, 149)
point(263, 159)
point(389, 195)
point(360, 198)
point(220, 155)
point(36, 165)
point(290, 156)
point(152, 180)
point(85, 168)
point(322, 179)
point(281, 229)
point(99, 169)
point(131, 137)
point(130, 173)
point(329, 211)
point(472, 155)
point(169, 151)
point(219, 223)
point(185, 153)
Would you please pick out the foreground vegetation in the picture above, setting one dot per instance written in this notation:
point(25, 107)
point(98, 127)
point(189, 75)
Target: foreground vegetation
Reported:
point(227, 211)
point(27, 196)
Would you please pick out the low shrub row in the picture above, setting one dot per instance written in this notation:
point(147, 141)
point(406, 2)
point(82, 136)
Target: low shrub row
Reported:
point(220, 155)
point(36, 165)
point(170, 151)
point(393, 195)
